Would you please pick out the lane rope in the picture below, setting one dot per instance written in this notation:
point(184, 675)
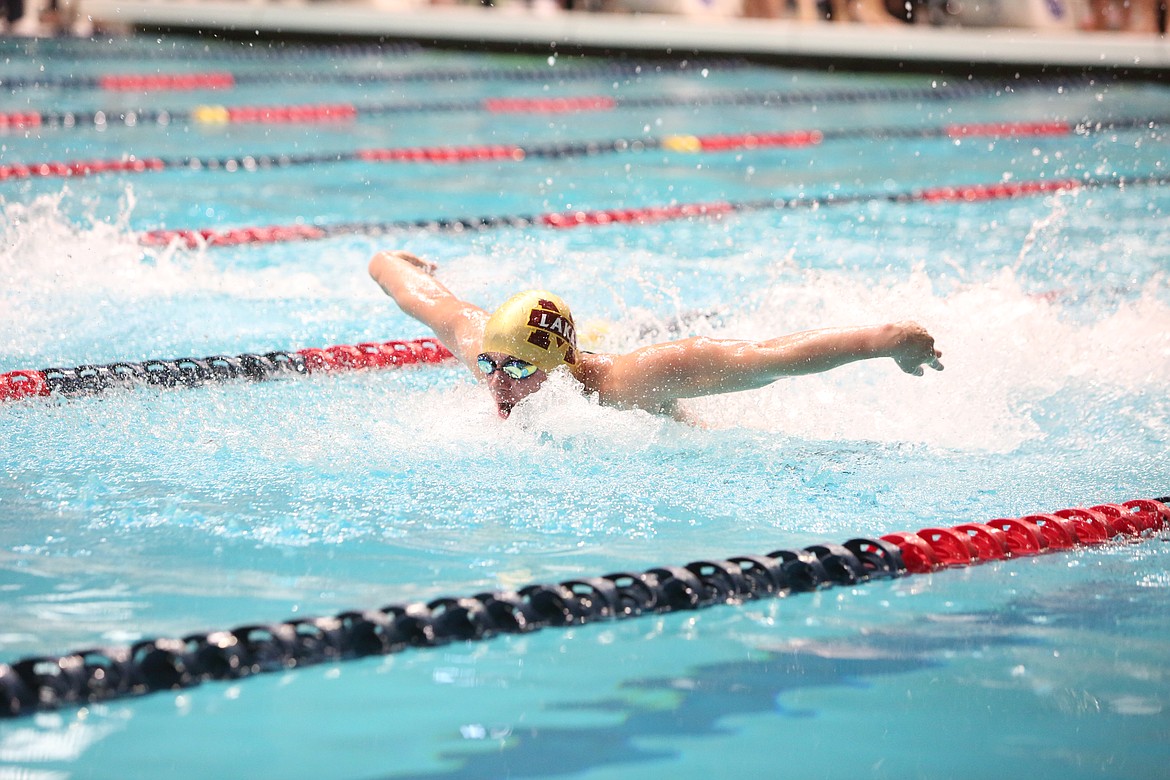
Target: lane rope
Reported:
point(98, 674)
point(193, 372)
point(643, 215)
point(691, 144)
point(317, 113)
point(143, 82)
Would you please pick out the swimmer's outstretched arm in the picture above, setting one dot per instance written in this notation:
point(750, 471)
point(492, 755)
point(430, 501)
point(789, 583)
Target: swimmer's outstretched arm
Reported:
point(657, 375)
point(410, 281)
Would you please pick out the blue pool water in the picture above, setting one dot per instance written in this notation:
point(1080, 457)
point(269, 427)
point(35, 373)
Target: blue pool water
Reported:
point(155, 512)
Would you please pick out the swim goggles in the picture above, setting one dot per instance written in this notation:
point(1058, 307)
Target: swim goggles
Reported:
point(513, 367)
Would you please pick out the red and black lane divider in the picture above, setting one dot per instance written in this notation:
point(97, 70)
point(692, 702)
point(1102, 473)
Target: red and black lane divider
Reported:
point(446, 155)
point(98, 674)
point(643, 215)
point(215, 80)
point(439, 155)
point(334, 112)
point(193, 372)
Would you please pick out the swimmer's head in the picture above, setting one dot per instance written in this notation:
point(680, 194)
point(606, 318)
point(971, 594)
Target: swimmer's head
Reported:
point(533, 327)
point(536, 327)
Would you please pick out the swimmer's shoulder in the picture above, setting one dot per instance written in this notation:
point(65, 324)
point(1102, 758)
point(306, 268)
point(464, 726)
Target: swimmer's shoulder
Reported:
point(595, 371)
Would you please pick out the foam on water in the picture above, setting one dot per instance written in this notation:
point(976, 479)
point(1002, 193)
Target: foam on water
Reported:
point(1008, 351)
point(93, 281)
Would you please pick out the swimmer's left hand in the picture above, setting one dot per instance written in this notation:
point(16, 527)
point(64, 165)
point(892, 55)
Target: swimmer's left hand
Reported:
point(426, 266)
point(914, 348)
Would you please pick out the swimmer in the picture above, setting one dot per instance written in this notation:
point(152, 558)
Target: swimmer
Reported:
point(533, 334)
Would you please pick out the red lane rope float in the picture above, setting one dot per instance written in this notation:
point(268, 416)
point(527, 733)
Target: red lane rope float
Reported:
point(22, 384)
point(303, 114)
point(971, 193)
point(998, 191)
point(19, 120)
point(1011, 129)
point(164, 81)
point(650, 214)
point(192, 372)
point(46, 682)
point(216, 114)
point(76, 168)
point(967, 544)
point(517, 153)
point(444, 154)
point(558, 105)
point(789, 140)
point(249, 235)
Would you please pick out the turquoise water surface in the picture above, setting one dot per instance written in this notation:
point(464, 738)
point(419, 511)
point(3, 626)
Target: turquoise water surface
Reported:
point(153, 512)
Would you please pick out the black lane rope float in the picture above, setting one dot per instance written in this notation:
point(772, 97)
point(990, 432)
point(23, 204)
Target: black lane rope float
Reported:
point(149, 82)
point(641, 215)
point(346, 112)
point(98, 674)
point(446, 155)
point(192, 372)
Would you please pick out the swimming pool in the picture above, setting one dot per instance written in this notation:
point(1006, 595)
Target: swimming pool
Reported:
point(153, 512)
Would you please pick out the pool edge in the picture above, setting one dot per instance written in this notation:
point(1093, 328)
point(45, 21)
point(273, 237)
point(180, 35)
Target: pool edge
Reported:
point(840, 46)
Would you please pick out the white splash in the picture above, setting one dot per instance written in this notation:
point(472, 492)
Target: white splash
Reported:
point(1005, 351)
point(80, 278)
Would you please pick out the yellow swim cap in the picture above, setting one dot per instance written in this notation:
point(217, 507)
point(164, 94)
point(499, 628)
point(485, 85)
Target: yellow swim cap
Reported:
point(535, 326)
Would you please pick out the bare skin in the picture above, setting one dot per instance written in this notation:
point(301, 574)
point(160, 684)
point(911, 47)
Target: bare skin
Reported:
point(865, 11)
point(653, 378)
point(1137, 16)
